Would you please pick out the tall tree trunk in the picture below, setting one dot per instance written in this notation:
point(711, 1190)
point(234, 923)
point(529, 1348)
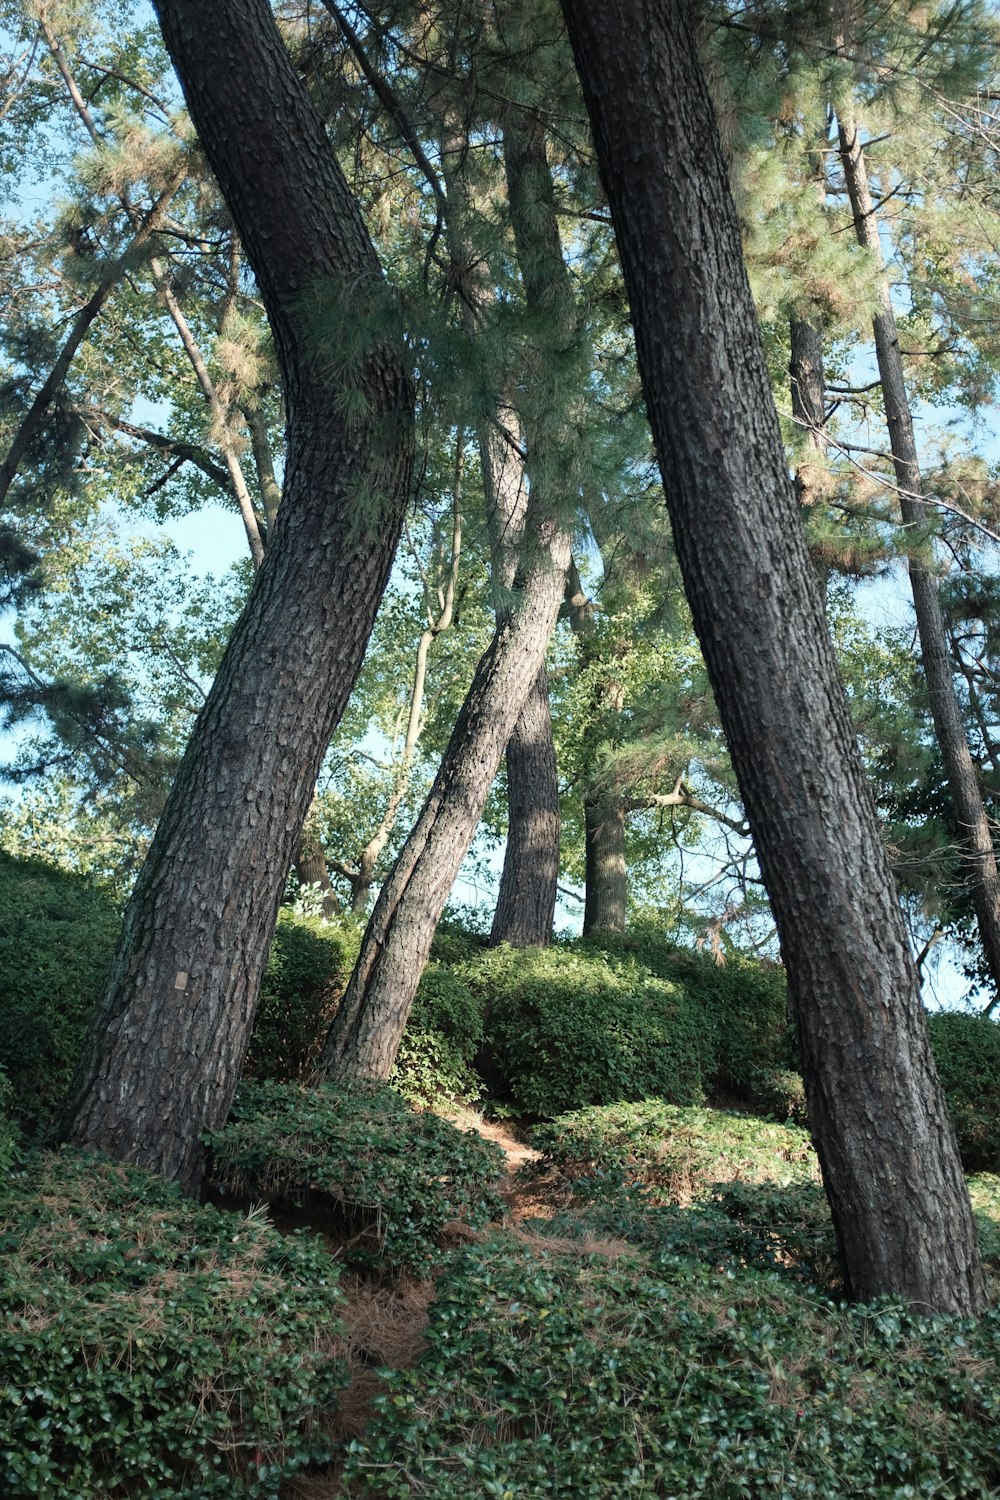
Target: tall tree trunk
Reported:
point(367, 1030)
point(974, 832)
point(886, 1147)
point(369, 1025)
point(527, 896)
point(606, 872)
point(805, 368)
point(166, 1049)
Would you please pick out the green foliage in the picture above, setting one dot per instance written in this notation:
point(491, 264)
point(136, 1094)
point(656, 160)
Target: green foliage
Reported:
point(984, 1190)
point(455, 941)
point(308, 967)
point(677, 1155)
point(442, 1036)
point(967, 1052)
point(744, 1000)
point(566, 1029)
point(57, 934)
point(582, 1370)
point(395, 1178)
point(151, 1347)
point(10, 1135)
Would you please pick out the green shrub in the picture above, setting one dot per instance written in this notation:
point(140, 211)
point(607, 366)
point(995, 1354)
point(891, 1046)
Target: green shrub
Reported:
point(455, 942)
point(579, 1372)
point(566, 1029)
point(397, 1179)
point(442, 1037)
point(967, 1052)
point(57, 937)
point(10, 1135)
point(744, 1000)
point(984, 1190)
point(675, 1154)
point(151, 1347)
point(307, 970)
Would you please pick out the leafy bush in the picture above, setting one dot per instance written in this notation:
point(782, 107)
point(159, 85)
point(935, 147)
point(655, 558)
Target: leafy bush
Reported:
point(151, 1347)
point(984, 1190)
point(57, 937)
point(676, 1154)
point(442, 1036)
point(566, 1029)
point(577, 1371)
point(967, 1052)
point(743, 1000)
point(455, 941)
point(10, 1135)
point(307, 969)
point(398, 1179)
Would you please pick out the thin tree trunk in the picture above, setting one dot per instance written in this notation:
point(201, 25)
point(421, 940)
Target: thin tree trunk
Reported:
point(606, 871)
point(369, 1025)
point(34, 418)
point(975, 835)
point(165, 1053)
point(527, 896)
point(886, 1147)
point(808, 400)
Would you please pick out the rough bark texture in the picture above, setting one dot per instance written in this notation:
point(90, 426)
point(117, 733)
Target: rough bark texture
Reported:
point(369, 1025)
point(527, 897)
point(973, 824)
point(166, 1051)
point(886, 1147)
point(606, 871)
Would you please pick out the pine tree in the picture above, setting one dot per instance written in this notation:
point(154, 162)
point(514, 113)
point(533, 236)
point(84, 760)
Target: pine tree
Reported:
point(901, 1210)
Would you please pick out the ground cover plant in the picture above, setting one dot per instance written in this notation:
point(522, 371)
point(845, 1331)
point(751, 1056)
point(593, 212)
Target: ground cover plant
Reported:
point(676, 1154)
point(583, 1370)
point(399, 1180)
point(152, 1347)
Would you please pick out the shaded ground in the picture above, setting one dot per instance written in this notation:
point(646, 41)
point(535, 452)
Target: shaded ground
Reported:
point(385, 1320)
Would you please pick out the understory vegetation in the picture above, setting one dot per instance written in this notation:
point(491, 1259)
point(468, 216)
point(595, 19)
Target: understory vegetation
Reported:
point(652, 1307)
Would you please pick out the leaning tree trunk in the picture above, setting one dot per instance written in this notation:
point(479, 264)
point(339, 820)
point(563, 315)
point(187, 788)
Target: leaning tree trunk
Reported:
point(886, 1147)
point(606, 871)
point(166, 1049)
point(369, 1025)
point(367, 1030)
point(975, 836)
point(527, 896)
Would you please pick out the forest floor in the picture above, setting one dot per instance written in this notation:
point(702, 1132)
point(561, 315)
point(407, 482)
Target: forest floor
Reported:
point(385, 1319)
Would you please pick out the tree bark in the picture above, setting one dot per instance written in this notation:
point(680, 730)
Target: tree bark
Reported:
point(606, 871)
point(369, 1025)
point(886, 1147)
point(165, 1053)
point(808, 399)
point(975, 835)
point(527, 896)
